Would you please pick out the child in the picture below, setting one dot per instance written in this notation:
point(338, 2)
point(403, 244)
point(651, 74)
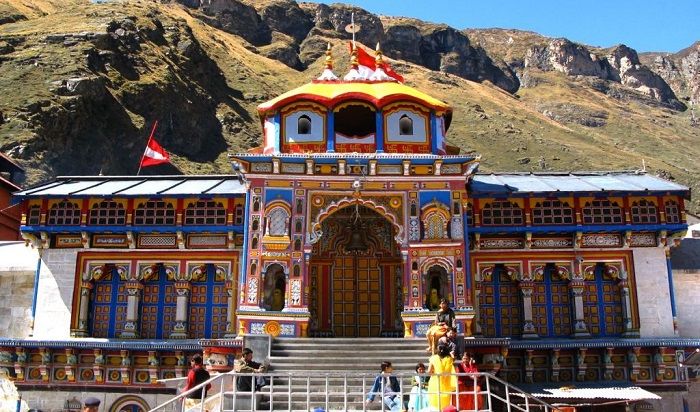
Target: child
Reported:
point(418, 400)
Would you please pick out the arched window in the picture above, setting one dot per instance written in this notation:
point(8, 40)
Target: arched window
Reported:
point(34, 215)
point(256, 204)
point(499, 305)
point(405, 126)
point(673, 214)
point(300, 206)
point(107, 212)
point(552, 212)
point(297, 244)
point(154, 212)
point(297, 271)
point(602, 211)
point(602, 304)
point(274, 288)
point(277, 219)
point(644, 211)
point(205, 212)
point(254, 243)
point(64, 213)
point(256, 224)
point(208, 305)
point(304, 125)
point(435, 226)
point(502, 213)
point(414, 209)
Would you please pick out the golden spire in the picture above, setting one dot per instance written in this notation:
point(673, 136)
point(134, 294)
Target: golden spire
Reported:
point(378, 56)
point(353, 57)
point(329, 57)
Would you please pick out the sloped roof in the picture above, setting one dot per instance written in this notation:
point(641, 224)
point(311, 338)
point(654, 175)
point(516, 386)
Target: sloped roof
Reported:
point(515, 183)
point(329, 93)
point(135, 186)
point(632, 393)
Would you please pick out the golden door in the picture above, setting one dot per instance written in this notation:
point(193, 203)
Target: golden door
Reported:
point(356, 296)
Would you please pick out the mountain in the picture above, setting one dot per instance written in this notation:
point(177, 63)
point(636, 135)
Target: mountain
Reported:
point(81, 84)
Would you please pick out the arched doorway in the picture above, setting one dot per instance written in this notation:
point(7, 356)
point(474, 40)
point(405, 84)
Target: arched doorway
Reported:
point(356, 276)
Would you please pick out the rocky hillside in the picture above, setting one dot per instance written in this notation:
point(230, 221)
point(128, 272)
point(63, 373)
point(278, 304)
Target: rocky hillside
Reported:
point(81, 83)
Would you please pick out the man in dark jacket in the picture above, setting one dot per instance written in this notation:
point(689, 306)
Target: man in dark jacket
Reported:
point(246, 364)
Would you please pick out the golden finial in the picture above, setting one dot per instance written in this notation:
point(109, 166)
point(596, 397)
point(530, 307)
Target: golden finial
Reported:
point(378, 56)
point(353, 56)
point(329, 57)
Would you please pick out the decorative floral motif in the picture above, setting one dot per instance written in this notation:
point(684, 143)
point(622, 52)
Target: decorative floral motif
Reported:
point(602, 240)
point(501, 243)
point(252, 290)
point(552, 243)
point(296, 292)
point(272, 328)
point(643, 240)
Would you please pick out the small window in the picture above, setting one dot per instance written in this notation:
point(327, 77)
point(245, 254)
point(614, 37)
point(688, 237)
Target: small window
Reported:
point(239, 211)
point(414, 209)
point(154, 212)
point(673, 214)
point(298, 226)
point(602, 212)
point(256, 224)
point(644, 212)
point(64, 213)
point(304, 125)
point(278, 219)
point(435, 226)
point(297, 271)
point(455, 208)
point(256, 204)
point(205, 212)
point(552, 212)
point(34, 215)
point(300, 206)
point(254, 243)
point(502, 213)
point(107, 212)
point(405, 126)
point(297, 245)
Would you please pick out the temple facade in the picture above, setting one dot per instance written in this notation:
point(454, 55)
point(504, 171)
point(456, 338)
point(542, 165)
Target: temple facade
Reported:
point(353, 219)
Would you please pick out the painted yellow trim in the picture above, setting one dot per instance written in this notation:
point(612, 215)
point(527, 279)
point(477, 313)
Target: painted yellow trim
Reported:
point(342, 106)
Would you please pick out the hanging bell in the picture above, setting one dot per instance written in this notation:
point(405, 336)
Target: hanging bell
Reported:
point(357, 242)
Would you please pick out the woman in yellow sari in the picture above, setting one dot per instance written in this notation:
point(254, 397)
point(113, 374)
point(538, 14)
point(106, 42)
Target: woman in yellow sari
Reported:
point(441, 387)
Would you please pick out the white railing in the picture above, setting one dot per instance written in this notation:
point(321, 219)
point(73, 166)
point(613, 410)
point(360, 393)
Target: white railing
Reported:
point(329, 391)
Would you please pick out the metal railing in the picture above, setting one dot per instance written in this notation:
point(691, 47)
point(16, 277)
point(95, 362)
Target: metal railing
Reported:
point(337, 391)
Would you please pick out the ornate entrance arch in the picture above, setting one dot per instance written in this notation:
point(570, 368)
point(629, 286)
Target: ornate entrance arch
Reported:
point(356, 275)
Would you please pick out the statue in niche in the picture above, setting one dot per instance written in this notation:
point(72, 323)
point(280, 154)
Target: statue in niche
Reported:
point(277, 300)
point(275, 287)
point(434, 300)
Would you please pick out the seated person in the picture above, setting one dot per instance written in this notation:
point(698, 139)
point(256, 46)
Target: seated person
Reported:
point(445, 320)
point(246, 364)
point(388, 388)
point(449, 340)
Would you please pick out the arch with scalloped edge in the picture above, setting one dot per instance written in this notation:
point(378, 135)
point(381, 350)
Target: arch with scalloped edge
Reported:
point(347, 202)
point(439, 261)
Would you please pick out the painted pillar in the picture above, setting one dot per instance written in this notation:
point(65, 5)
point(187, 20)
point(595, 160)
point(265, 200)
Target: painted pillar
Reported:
point(330, 131)
point(526, 287)
point(477, 294)
point(576, 286)
point(85, 289)
point(628, 332)
point(134, 288)
point(182, 288)
point(379, 135)
point(433, 133)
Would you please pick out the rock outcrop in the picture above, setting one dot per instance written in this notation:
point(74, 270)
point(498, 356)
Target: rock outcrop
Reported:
point(621, 64)
point(680, 70)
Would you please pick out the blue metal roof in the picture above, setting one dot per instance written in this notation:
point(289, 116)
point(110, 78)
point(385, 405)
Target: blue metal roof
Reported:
point(525, 183)
point(135, 186)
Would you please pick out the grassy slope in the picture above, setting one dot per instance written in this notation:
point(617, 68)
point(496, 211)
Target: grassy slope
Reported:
point(501, 127)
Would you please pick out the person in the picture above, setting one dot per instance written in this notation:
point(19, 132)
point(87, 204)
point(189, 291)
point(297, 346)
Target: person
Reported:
point(246, 364)
point(387, 387)
point(443, 381)
point(449, 340)
point(418, 399)
point(444, 320)
point(467, 385)
point(91, 404)
point(198, 374)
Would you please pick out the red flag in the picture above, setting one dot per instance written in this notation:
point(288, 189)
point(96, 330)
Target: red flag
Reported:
point(368, 65)
point(154, 153)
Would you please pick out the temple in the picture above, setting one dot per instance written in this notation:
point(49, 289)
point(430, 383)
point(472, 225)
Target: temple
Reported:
point(353, 219)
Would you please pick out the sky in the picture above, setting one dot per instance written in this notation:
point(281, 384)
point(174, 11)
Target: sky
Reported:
point(644, 25)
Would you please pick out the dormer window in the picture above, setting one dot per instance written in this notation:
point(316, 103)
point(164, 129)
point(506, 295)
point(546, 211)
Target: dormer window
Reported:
point(405, 126)
point(304, 125)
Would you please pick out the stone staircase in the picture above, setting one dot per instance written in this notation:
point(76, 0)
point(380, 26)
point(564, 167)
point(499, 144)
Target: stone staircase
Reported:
point(361, 357)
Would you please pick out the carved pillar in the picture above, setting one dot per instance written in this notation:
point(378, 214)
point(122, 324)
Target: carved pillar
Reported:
point(526, 287)
point(181, 365)
point(125, 369)
point(555, 365)
point(529, 366)
point(98, 367)
point(182, 288)
point(45, 362)
point(71, 362)
point(581, 364)
point(20, 363)
point(608, 364)
point(153, 363)
point(633, 363)
point(134, 289)
point(86, 286)
point(628, 331)
point(659, 364)
point(576, 285)
point(477, 295)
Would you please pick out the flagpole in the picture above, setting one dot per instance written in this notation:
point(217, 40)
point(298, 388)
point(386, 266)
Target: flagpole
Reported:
point(153, 131)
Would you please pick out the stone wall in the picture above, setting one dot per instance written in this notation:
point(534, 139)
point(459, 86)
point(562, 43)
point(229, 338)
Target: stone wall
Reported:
point(686, 284)
point(17, 269)
point(56, 282)
point(653, 297)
